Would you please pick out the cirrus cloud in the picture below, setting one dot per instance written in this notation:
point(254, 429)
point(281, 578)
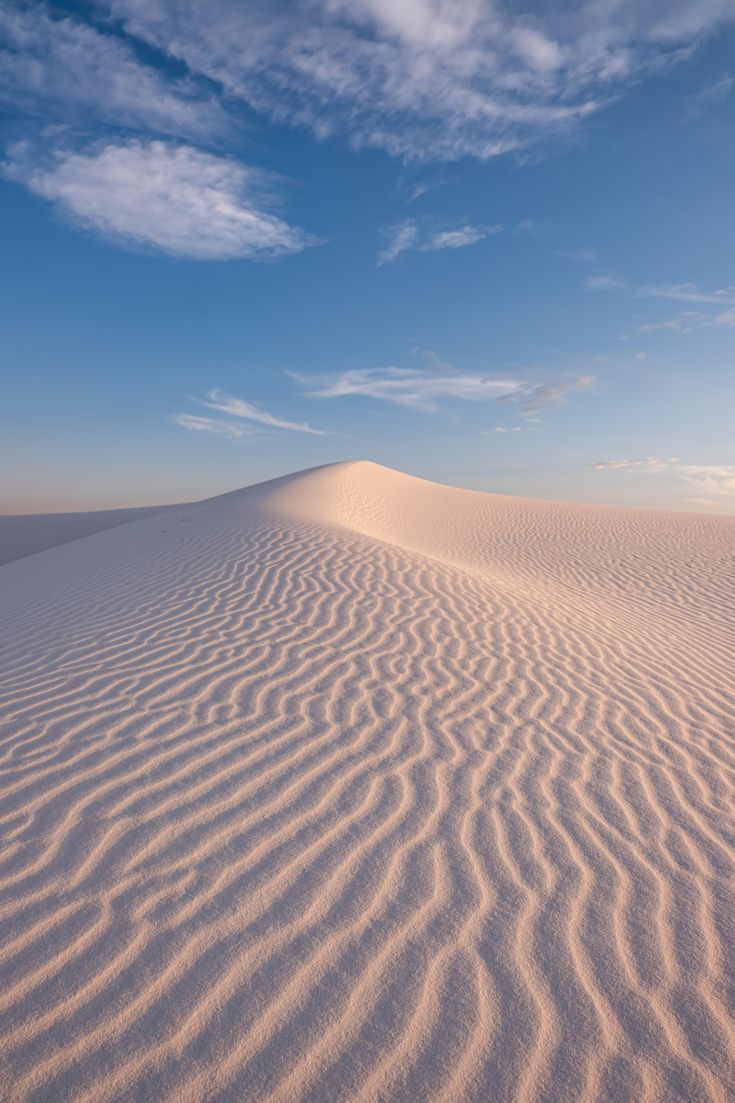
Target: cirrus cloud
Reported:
point(243, 411)
point(417, 388)
point(72, 70)
point(423, 388)
point(410, 235)
point(429, 79)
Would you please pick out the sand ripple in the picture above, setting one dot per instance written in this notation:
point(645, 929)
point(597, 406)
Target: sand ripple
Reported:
point(306, 799)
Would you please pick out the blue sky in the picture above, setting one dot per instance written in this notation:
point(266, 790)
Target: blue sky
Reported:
point(486, 243)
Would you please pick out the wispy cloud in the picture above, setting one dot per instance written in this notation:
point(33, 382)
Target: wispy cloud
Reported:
point(417, 388)
point(73, 71)
point(250, 412)
point(604, 283)
point(534, 397)
point(160, 195)
point(678, 325)
point(423, 389)
point(429, 78)
point(645, 463)
point(242, 419)
point(409, 235)
point(213, 425)
point(687, 293)
point(713, 485)
point(714, 92)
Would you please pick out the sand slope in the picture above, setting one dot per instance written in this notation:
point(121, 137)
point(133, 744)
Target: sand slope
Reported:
point(354, 787)
point(22, 535)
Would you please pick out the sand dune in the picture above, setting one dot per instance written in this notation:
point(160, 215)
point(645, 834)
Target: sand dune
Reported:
point(350, 786)
point(22, 535)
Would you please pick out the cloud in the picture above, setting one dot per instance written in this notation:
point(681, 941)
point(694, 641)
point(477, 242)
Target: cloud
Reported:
point(422, 388)
point(713, 484)
point(65, 66)
point(648, 463)
point(212, 425)
point(604, 283)
point(408, 235)
point(727, 318)
point(416, 388)
point(249, 411)
point(425, 78)
point(534, 397)
point(675, 324)
point(711, 93)
point(160, 195)
point(687, 293)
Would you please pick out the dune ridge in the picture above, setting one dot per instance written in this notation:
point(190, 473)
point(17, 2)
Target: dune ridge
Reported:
point(351, 786)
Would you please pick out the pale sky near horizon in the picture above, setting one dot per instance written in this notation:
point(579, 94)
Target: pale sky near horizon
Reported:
point(487, 243)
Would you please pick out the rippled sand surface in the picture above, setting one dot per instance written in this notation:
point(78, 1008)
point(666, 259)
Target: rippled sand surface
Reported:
point(354, 787)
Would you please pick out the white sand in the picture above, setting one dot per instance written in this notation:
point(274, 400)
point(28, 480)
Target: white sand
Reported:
point(354, 787)
point(34, 532)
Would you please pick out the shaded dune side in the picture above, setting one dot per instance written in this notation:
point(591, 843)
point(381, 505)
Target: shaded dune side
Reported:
point(294, 812)
point(22, 535)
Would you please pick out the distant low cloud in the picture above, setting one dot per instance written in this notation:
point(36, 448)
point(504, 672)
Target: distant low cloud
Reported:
point(164, 196)
point(409, 235)
point(242, 418)
point(646, 463)
point(711, 485)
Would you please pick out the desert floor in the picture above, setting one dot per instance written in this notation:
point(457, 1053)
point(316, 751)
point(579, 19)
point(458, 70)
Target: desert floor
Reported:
point(355, 787)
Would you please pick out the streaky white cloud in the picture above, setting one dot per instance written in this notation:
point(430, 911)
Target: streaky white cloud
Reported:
point(675, 324)
point(250, 411)
point(64, 65)
point(418, 388)
point(687, 293)
point(212, 425)
point(647, 463)
point(425, 78)
point(163, 196)
point(534, 397)
point(604, 283)
point(423, 388)
point(409, 235)
point(727, 318)
point(714, 92)
point(399, 238)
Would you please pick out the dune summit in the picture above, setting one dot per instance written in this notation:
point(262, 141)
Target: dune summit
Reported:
point(354, 787)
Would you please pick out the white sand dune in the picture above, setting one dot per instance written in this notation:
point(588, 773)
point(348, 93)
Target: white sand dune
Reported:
point(27, 534)
point(354, 787)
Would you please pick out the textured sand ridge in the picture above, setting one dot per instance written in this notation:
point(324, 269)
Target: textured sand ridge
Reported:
point(354, 787)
